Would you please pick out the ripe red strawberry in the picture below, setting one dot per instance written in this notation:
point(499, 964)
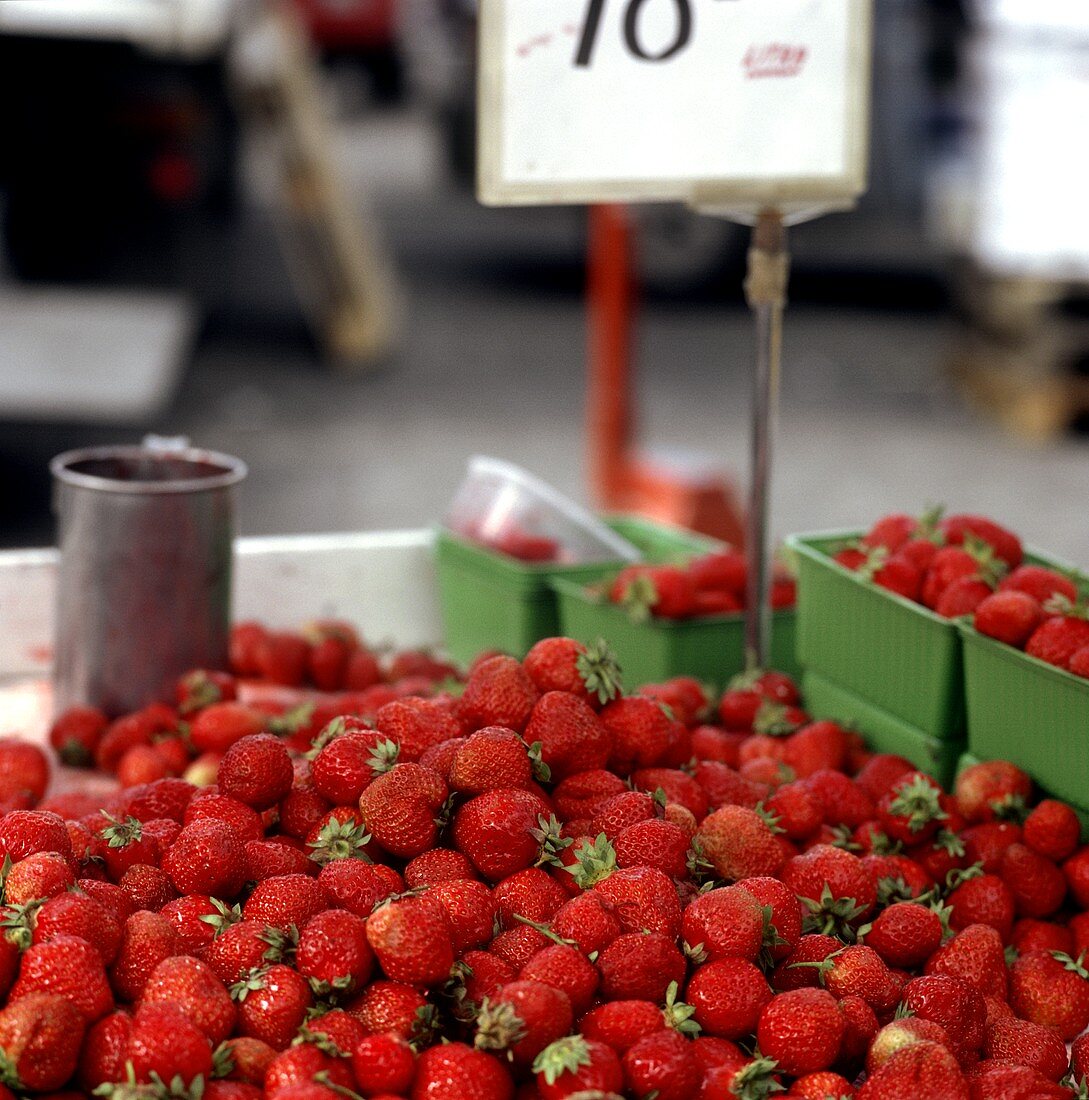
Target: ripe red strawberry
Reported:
point(984, 899)
point(975, 955)
point(1037, 885)
point(285, 900)
point(1041, 935)
point(951, 1002)
point(844, 802)
point(1009, 616)
point(357, 886)
point(993, 788)
point(922, 1069)
point(664, 591)
point(146, 940)
point(40, 1037)
point(40, 875)
point(470, 910)
point(24, 832)
point(411, 941)
point(949, 564)
point(1052, 830)
point(963, 597)
point(833, 885)
point(589, 921)
point(662, 1065)
point(905, 935)
point(333, 952)
point(69, 967)
point(728, 997)
point(283, 657)
point(621, 1024)
point(532, 894)
point(986, 844)
point(640, 733)
point(897, 574)
point(1057, 639)
point(900, 1033)
point(400, 808)
point(257, 771)
point(391, 1007)
point(498, 692)
point(910, 812)
point(383, 1064)
point(638, 966)
point(217, 727)
point(105, 1051)
point(723, 570)
point(563, 664)
point(74, 914)
point(438, 865)
point(305, 1063)
point(644, 899)
point(457, 1070)
point(195, 988)
point(575, 1065)
point(1040, 583)
point(783, 915)
point(492, 757)
point(241, 947)
point(496, 831)
point(896, 528)
point(417, 726)
point(206, 858)
point(860, 1025)
point(961, 529)
point(165, 1042)
point(272, 1004)
point(521, 1019)
point(724, 923)
point(1027, 1044)
point(737, 843)
point(348, 760)
point(572, 737)
point(654, 843)
point(820, 1086)
point(1051, 989)
point(801, 1030)
point(76, 733)
point(991, 1080)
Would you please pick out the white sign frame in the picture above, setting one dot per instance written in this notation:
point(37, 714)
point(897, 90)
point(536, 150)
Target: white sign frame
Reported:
point(784, 192)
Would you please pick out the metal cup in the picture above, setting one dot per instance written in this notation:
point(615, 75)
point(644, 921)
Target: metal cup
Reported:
point(144, 587)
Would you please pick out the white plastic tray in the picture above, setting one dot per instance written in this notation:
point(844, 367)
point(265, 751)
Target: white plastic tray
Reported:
point(383, 582)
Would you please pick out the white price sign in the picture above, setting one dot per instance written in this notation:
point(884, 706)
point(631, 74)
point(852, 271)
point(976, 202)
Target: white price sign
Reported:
point(749, 102)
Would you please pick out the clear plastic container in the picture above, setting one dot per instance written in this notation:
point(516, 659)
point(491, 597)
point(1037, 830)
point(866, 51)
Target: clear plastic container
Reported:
point(502, 507)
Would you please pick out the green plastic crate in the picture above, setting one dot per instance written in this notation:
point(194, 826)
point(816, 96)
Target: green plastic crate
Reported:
point(894, 653)
point(491, 601)
point(882, 731)
point(711, 648)
point(969, 758)
point(1028, 712)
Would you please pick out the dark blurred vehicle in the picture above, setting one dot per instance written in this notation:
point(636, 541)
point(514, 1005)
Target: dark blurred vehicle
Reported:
point(113, 133)
point(363, 32)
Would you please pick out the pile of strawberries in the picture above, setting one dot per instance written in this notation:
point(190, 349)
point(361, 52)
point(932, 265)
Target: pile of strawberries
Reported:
point(710, 584)
point(530, 886)
point(970, 565)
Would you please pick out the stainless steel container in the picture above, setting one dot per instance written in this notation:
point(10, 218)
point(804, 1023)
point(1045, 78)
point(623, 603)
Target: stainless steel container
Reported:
point(143, 595)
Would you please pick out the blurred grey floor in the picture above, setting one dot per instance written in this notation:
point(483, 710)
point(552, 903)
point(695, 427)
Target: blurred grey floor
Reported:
point(493, 360)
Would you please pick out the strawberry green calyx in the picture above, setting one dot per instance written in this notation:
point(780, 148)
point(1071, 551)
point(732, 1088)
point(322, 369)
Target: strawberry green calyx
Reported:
point(329, 733)
point(600, 672)
point(223, 1063)
point(200, 691)
point(594, 862)
point(281, 945)
point(679, 1015)
point(831, 916)
point(639, 598)
point(549, 834)
point(757, 1081)
point(18, 923)
point(1011, 954)
point(959, 876)
point(876, 558)
point(323, 1079)
point(771, 820)
point(318, 1039)
point(843, 837)
point(567, 1055)
point(917, 803)
point(541, 771)
point(891, 889)
point(119, 834)
point(224, 916)
point(991, 567)
point(498, 1026)
point(9, 1073)
point(773, 721)
point(384, 756)
point(340, 840)
point(425, 1026)
point(253, 982)
point(699, 866)
point(291, 721)
point(771, 941)
point(545, 931)
point(949, 842)
point(1079, 1087)
point(1010, 807)
point(1058, 604)
point(903, 1011)
point(1075, 965)
point(695, 953)
point(928, 524)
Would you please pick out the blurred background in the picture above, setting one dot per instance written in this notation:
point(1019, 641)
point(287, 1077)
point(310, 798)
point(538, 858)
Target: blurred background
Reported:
point(252, 223)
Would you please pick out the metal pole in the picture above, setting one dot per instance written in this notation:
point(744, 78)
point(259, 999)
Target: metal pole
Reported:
point(765, 291)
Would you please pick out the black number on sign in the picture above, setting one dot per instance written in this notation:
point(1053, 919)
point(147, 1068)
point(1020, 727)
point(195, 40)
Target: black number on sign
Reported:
point(631, 31)
point(592, 23)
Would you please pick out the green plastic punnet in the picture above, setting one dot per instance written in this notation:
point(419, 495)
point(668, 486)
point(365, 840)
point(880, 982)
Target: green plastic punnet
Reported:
point(882, 731)
point(898, 655)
